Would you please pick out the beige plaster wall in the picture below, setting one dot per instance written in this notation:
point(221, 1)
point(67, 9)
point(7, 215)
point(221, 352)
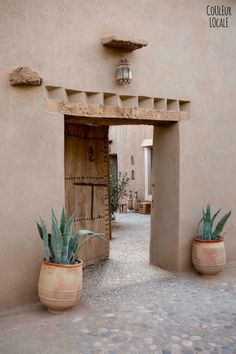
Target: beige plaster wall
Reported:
point(61, 40)
point(165, 220)
point(31, 181)
point(126, 141)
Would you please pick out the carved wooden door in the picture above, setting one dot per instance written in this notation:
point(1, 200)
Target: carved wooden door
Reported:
point(86, 185)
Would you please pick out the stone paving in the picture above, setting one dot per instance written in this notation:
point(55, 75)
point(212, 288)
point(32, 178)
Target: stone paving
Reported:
point(128, 306)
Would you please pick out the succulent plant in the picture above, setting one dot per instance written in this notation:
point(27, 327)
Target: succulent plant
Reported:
point(208, 221)
point(61, 246)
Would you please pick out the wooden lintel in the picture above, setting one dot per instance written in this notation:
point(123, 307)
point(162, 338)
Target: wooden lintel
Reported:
point(112, 121)
point(109, 115)
point(91, 184)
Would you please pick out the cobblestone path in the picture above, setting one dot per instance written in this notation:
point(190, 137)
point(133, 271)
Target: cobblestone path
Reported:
point(128, 306)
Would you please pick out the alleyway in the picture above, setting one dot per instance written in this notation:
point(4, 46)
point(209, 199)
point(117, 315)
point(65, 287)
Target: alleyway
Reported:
point(129, 306)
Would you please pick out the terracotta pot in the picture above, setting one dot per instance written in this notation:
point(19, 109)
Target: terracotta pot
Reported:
point(60, 285)
point(208, 257)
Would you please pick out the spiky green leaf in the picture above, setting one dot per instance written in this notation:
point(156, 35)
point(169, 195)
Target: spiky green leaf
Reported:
point(56, 240)
point(50, 248)
point(72, 247)
point(45, 240)
point(214, 216)
point(221, 224)
point(66, 238)
point(82, 233)
point(208, 213)
point(207, 231)
point(74, 242)
point(79, 245)
point(54, 216)
point(63, 220)
point(40, 230)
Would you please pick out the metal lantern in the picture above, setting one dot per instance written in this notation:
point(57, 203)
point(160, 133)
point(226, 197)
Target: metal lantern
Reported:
point(124, 72)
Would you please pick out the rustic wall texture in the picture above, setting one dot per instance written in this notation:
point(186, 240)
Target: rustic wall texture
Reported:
point(186, 59)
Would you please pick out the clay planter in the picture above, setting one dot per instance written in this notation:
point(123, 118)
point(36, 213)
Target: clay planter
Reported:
point(208, 257)
point(60, 285)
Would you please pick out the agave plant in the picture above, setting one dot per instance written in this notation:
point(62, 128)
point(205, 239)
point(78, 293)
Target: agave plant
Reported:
point(61, 246)
point(208, 221)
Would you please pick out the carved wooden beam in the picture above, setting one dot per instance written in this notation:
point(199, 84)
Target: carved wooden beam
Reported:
point(108, 115)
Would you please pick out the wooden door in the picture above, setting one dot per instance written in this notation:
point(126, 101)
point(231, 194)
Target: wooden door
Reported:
point(86, 185)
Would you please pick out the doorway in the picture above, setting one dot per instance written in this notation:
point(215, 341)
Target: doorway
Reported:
point(86, 188)
point(131, 222)
point(86, 185)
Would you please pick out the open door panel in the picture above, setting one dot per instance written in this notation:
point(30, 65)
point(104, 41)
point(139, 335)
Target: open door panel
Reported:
point(86, 185)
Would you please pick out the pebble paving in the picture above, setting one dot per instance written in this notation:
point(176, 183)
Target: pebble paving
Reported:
point(128, 306)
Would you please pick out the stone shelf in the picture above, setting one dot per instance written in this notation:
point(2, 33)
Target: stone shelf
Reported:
point(124, 44)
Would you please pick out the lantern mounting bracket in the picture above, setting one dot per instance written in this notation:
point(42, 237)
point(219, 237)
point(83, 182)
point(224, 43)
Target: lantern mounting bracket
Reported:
point(123, 44)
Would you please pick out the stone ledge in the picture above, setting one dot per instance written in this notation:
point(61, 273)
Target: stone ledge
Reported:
point(24, 76)
point(124, 44)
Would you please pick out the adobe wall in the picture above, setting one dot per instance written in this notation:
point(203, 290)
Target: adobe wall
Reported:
point(186, 59)
point(32, 182)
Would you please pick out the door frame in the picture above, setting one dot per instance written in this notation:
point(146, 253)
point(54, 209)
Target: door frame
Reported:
point(165, 246)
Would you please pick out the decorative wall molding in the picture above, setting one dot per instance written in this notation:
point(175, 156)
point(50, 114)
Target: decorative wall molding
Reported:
point(100, 111)
point(110, 109)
